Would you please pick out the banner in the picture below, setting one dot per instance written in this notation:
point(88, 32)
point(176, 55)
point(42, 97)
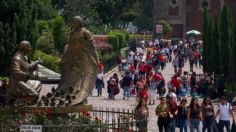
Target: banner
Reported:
point(100, 41)
point(30, 128)
point(159, 29)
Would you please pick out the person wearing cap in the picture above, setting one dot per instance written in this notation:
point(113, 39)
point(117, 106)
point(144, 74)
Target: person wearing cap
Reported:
point(224, 112)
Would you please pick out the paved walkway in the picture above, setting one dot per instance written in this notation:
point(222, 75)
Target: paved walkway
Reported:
point(119, 103)
point(103, 101)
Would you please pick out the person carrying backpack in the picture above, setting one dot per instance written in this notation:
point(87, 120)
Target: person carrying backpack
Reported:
point(224, 111)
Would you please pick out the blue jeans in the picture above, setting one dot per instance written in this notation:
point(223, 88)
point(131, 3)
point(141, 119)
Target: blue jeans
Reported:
point(195, 124)
point(183, 125)
point(226, 124)
point(126, 92)
point(172, 125)
point(207, 124)
point(99, 88)
point(176, 68)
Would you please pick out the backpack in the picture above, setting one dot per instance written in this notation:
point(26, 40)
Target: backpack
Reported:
point(112, 81)
point(116, 90)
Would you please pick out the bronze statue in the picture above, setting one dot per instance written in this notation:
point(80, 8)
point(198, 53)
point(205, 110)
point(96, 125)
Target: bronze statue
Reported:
point(79, 63)
point(20, 74)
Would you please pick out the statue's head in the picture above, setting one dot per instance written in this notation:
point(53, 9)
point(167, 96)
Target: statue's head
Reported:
point(77, 22)
point(24, 47)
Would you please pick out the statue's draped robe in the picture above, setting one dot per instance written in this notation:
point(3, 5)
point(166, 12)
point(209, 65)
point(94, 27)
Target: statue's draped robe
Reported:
point(78, 66)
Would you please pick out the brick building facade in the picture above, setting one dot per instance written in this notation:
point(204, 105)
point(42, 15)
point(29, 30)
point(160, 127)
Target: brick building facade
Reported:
point(185, 15)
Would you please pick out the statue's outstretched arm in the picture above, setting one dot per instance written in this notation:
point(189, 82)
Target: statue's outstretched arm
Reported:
point(34, 64)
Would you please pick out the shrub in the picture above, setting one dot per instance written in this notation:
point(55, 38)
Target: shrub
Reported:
point(60, 33)
point(42, 26)
point(127, 36)
point(174, 41)
point(49, 61)
point(45, 43)
point(114, 41)
point(121, 38)
point(147, 37)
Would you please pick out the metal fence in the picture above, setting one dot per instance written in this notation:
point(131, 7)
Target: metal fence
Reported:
point(97, 120)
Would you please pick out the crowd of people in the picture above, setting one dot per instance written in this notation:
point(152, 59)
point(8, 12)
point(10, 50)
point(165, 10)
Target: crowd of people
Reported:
point(141, 76)
point(170, 115)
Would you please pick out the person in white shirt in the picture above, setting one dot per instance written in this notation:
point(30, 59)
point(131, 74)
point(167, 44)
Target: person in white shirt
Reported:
point(224, 111)
point(99, 83)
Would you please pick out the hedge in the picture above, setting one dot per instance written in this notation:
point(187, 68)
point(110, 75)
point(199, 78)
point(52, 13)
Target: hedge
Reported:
point(49, 61)
point(121, 38)
point(127, 37)
point(114, 41)
point(141, 36)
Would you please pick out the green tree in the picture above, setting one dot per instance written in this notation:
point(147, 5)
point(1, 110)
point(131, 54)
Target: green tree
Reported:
point(46, 10)
point(205, 39)
point(42, 26)
point(7, 40)
point(233, 57)
point(18, 19)
point(127, 17)
point(209, 48)
point(144, 19)
point(166, 27)
point(225, 40)
point(2, 49)
point(216, 48)
point(59, 34)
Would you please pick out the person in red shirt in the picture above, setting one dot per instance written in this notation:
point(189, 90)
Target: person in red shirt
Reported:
point(149, 57)
point(143, 94)
point(162, 61)
point(155, 49)
point(142, 68)
point(148, 68)
point(132, 68)
point(176, 83)
point(196, 55)
point(140, 84)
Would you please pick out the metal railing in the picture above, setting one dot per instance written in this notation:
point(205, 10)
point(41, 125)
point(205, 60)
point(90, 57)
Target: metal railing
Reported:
point(96, 120)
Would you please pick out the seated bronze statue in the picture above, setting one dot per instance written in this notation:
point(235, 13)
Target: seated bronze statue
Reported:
point(21, 87)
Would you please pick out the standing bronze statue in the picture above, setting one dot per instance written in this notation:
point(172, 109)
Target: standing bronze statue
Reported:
point(20, 74)
point(78, 64)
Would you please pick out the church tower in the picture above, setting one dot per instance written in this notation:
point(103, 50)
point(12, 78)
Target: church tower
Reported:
point(173, 12)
